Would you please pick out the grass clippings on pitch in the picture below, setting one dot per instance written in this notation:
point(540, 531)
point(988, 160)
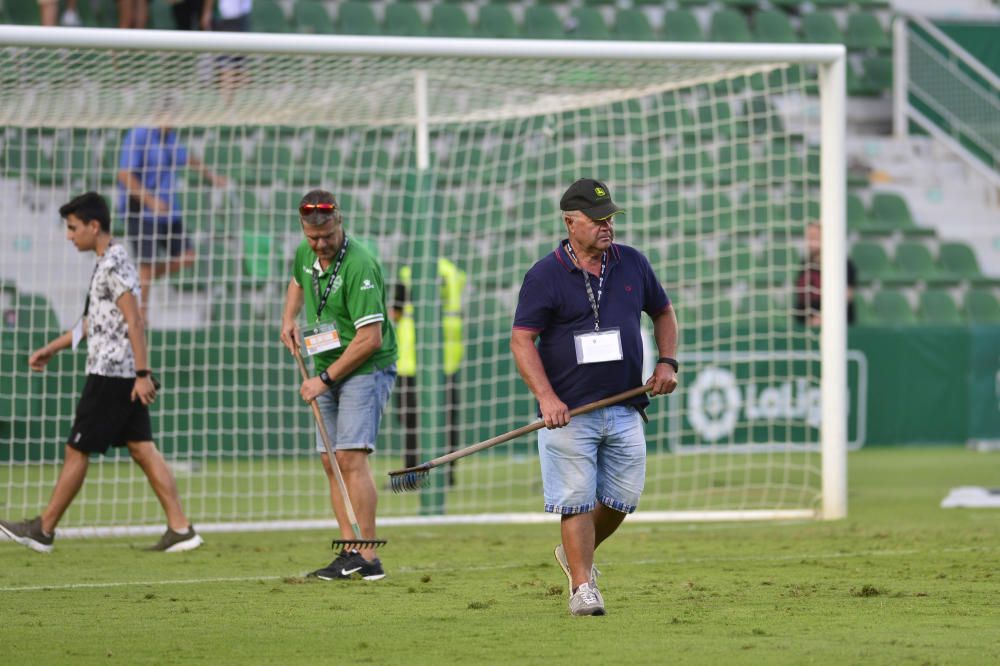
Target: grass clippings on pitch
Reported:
point(901, 581)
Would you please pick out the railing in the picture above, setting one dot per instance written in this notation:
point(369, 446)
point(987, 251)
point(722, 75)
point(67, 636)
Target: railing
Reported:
point(948, 93)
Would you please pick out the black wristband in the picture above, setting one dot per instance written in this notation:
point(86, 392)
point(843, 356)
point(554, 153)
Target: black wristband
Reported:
point(326, 379)
point(672, 362)
point(143, 373)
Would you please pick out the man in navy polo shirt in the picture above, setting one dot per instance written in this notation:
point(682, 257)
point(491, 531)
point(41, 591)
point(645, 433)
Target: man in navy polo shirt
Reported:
point(581, 304)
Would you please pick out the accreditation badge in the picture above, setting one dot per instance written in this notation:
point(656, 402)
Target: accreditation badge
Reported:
point(320, 338)
point(598, 346)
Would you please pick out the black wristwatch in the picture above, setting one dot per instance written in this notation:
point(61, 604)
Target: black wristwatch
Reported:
point(326, 379)
point(672, 362)
point(143, 373)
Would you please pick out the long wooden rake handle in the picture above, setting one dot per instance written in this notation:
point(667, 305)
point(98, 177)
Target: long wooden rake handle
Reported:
point(523, 430)
point(329, 451)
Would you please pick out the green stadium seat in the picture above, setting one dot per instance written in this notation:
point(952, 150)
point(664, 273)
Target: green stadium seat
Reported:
point(914, 262)
point(357, 18)
point(857, 216)
point(821, 28)
point(936, 306)
point(741, 4)
point(728, 25)
point(959, 260)
point(981, 307)
point(541, 22)
point(890, 307)
point(872, 262)
point(683, 264)
point(267, 16)
point(788, 5)
point(680, 25)
point(600, 3)
point(23, 12)
point(889, 210)
point(818, 4)
point(310, 17)
point(736, 259)
point(864, 32)
point(734, 163)
point(877, 74)
point(271, 162)
point(716, 120)
point(587, 23)
point(863, 310)
point(873, 4)
point(632, 25)
point(35, 313)
point(779, 262)
point(403, 21)
point(497, 22)
point(771, 26)
point(449, 21)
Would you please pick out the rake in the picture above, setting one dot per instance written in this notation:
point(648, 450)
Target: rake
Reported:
point(357, 541)
point(412, 478)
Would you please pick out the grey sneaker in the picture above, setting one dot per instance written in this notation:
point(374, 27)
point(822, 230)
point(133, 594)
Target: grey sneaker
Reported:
point(177, 542)
point(586, 600)
point(560, 554)
point(29, 533)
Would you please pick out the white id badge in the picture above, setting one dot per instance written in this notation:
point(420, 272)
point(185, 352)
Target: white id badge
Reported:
point(598, 346)
point(320, 338)
point(77, 333)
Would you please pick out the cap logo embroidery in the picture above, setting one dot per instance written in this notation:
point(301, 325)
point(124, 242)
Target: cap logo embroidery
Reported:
point(599, 191)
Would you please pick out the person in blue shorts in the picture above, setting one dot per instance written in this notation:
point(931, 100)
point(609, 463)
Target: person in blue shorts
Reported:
point(148, 194)
point(576, 339)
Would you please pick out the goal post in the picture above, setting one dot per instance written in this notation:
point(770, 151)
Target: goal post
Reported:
point(435, 148)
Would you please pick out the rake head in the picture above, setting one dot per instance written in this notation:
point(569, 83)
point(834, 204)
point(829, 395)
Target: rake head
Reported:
point(411, 478)
point(357, 544)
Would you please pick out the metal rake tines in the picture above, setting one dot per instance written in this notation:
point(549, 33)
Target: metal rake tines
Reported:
point(350, 544)
point(412, 478)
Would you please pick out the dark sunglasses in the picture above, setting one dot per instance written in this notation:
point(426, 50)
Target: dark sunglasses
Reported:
point(327, 208)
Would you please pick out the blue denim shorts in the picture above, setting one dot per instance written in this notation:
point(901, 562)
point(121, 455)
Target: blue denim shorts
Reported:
point(598, 457)
point(352, 410)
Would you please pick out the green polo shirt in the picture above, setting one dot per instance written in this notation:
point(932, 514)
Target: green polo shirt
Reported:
point(357, 299)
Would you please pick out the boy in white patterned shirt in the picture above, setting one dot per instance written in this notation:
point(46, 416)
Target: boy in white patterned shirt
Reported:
point(114, 407)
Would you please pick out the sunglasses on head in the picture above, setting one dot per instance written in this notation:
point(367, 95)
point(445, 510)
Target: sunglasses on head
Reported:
point(306, 209)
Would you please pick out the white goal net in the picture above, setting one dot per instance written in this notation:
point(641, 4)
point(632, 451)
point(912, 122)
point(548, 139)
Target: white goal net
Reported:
point(434, 148)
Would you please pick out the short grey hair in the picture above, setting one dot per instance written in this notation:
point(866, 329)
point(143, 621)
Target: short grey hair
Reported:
point(317, 219)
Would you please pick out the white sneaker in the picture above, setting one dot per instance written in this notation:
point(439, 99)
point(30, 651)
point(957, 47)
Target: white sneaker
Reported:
point(586, 600)
point(560, 554)
point(70, 19)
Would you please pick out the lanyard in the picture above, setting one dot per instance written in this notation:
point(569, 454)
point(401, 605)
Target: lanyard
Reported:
point(321, 300)
point(595, 303)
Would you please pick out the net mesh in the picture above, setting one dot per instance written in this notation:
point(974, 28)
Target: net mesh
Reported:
point(715, 162)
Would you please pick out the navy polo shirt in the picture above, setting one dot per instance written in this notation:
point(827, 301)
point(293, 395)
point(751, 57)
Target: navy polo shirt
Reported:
point(553, 303)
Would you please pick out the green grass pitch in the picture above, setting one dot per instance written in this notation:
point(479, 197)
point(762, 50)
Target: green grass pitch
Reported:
point(900, 581)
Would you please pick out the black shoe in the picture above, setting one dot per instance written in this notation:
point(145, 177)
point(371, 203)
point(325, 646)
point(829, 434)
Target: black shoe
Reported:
point(371, 570)
point(343, 566)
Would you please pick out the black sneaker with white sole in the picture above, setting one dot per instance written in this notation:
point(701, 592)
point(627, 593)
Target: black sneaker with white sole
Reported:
point(350, 564)
point(28, 533)
point(371, 570)
point(345, 565)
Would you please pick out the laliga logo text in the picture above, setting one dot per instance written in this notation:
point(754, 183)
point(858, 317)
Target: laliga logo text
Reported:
point(715, 403)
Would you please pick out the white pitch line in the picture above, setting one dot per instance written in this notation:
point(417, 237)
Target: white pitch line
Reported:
point(129, 583)
point(498, 567)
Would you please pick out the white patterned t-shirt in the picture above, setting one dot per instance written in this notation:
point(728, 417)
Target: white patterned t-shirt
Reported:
point(109, 352)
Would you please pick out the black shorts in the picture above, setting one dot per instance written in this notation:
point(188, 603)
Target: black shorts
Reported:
point(107, 416)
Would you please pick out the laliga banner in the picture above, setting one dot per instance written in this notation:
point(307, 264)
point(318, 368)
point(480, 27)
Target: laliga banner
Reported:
point(759, 400)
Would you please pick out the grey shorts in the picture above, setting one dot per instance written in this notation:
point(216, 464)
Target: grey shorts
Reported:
point(352, 410)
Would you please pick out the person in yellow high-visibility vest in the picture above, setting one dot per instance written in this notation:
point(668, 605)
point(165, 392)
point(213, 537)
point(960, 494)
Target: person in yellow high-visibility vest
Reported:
point(401, 312)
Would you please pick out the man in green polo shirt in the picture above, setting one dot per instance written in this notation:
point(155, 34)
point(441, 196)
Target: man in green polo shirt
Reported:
point(349, 336)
